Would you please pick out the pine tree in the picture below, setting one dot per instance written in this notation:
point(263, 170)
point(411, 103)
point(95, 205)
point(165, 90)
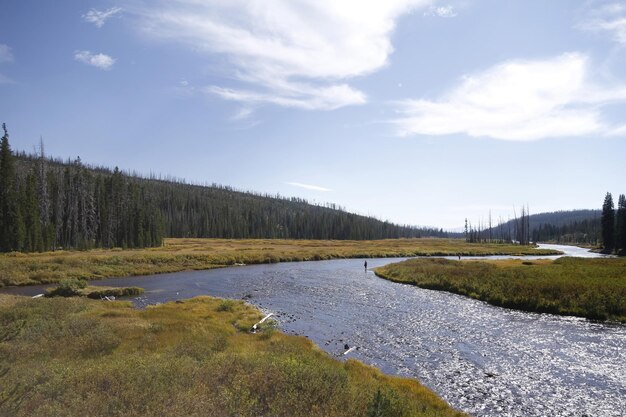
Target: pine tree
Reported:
point(608, 223)
point(621, 224)
point(29, 205)
point(11, 226)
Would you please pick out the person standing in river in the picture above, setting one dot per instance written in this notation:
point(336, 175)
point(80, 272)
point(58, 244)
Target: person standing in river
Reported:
point(365, 264)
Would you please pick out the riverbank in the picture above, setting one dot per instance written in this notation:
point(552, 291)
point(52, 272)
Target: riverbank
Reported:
point(591, 288)
point(74, 356)
point(196, 254)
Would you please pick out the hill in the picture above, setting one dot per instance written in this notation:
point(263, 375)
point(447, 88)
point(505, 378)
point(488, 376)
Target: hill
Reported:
point(68, 204)
point(567, 226)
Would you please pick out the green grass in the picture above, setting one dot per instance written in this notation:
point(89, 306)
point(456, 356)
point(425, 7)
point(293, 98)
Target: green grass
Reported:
point(98, 292)
point(188, 254)
point(592, 288)
point(81, 357)
point(79, 288)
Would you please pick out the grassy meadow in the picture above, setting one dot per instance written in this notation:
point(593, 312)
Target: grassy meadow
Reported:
point(187, 254)
point(592, 288)
point(79, 357)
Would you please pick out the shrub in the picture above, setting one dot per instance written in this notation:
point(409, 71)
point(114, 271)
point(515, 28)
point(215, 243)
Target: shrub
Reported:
point(68, 288)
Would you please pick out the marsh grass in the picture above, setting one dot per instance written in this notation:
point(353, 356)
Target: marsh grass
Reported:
point(97, 293)
point(188, 254)
point(79, 288)
point(78, 357)
point(592, 288)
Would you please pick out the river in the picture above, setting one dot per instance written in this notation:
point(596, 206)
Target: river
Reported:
point(485, 360)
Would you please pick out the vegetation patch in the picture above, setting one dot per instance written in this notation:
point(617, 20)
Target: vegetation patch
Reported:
point(592, 288)
point(187, 254)
point(79, 288)
point(68, 288)
point(98, 293)
point(76, 357)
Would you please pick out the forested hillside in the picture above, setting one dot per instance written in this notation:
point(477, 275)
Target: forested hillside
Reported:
point(578, 226)
point(48, 204)
point(574, 226)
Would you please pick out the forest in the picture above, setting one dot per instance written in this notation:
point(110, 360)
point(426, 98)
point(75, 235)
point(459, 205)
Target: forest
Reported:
point(51, 204)
point(567, 227)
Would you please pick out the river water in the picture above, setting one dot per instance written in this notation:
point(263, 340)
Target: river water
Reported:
point(485, 360)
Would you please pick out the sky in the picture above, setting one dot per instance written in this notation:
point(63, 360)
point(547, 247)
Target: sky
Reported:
point(415, 111)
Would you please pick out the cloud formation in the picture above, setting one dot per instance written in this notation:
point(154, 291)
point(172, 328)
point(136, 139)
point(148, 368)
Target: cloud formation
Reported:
point(309, 187)
point(102, 61)
point(292, 53)
point(519, 101)
point(99, 17)
point(5, 53)
point(441, 11)
point(6, 56)
point(609, 18)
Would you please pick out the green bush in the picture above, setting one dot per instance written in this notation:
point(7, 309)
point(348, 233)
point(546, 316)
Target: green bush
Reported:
point(68, 288)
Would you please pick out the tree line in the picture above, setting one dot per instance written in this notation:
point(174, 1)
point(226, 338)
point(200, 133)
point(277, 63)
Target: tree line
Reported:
point(48, 207)
point(614, 225)
point(50, 204)
point(586, 231)
point(573, 227)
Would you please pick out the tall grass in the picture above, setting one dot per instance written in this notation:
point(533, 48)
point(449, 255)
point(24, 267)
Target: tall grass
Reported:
point(79, 357)
point(592, 288)
point(187, 254)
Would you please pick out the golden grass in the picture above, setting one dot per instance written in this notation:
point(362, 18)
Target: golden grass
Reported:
point(78, 357)
point(594, 288)
point(186, 254)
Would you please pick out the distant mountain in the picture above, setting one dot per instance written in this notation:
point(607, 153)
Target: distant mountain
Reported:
point(562, 218)
point(82, 206)
point(568, 226)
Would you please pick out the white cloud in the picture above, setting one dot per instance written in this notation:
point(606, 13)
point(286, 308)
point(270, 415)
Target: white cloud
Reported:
point(617, 131)
point(6, 56)
point(242, 114)
point(102, 61)
point(99, 17)
point(294, 53)
point(441, 11)
point(609, 18)
point(309, 187)
point(5, 53)
point(517, 100)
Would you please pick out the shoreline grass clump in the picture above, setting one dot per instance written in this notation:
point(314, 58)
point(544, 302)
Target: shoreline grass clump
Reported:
point(68, 288)
point(76, 357)
point(79, 288)
point(117, 292)
point(194, 254)
point(594, 288)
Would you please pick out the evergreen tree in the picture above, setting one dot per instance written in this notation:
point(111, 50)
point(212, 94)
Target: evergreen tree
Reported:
point(621, 224)
point(11, 226)
point(29, 208)
point(608, 223)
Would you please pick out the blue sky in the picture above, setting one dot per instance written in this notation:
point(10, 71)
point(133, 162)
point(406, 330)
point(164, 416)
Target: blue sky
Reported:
point(420, 112)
